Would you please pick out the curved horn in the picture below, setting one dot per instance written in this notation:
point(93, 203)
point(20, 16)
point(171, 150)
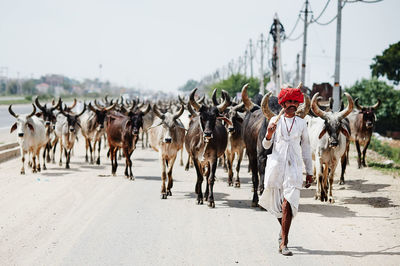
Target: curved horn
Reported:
point(38, 104)
point(238, 107)
point(73, 104)
point(157, 112)
point(349, 108)
point(91, 108)
point(33, 112)
point(181, 100)
point(303, 111)
point(98, 105)
point(201, 100)
point(315, 108)
point(12, 112)
point(190, 109)
point(145, 111)
point(222, 106)
point(214, 97)
point(357, 104)
point(225, 96)
point(57, 105)
point(110, 107)
point(265, 106)
point(245, 98)
point(375, 106)
point(84, 109)
point(106, 99)
point(192, 101)
point(179, 113)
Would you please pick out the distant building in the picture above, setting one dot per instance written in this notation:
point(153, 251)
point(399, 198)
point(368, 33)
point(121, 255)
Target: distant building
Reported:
point(42, 88)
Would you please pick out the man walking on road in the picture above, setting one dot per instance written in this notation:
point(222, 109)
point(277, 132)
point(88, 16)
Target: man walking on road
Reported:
point(283, 173)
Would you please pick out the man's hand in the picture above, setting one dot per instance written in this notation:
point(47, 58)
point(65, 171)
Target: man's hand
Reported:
point(270, 130)
point(309, 181)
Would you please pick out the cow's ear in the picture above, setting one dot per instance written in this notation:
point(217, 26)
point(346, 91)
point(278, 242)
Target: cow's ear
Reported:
point(31, 127)
point(39, 114)
point(14, 127)
point(322, 133)
point(345, 132)
point(128, 123)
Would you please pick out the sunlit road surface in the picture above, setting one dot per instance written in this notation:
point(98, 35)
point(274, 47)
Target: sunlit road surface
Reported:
point(85, 216)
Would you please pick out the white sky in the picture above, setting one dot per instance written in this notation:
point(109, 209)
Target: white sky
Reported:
point(159, 44)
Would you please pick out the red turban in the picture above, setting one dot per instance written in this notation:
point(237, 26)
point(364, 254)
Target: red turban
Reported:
point(293, 94)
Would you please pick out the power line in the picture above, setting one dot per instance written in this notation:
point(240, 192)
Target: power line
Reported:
point(294, 27)
point(322, 12)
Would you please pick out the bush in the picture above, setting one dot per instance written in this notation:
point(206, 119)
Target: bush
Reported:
point(234, 84)
point(385, 150)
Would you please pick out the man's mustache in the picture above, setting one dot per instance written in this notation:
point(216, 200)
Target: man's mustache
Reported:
point(291, 106)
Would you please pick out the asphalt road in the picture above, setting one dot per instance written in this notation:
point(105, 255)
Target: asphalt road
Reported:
point(84, 216)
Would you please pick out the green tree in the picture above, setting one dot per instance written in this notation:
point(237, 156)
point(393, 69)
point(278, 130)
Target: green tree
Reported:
point(235, 83)
point(368, 92)
point(388, 63)
point(12, 87)
point(189, 85)
point(28, 87)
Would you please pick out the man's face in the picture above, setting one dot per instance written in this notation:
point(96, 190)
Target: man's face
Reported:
point(290, 106)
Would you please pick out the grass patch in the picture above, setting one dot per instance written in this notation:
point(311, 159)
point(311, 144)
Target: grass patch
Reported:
point(384, 149)
point(389, 169)
point(19, 101)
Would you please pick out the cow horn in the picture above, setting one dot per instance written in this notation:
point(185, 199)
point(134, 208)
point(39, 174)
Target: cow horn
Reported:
point(157, 112)
point(97, 104)
point(349, 108)
point(222, 106)
point(179, 113)
point(145, 111)
point(375, 106)
point(315, 108)
point(190, 109)
point(62, 110)
point(192, 101)
point(300, 85)
point(73, 104)
point(106, 99)
point(305, 107)
point(12, 112)
point(84, 109)
point(38, 104)
point(357, 104)
point(245, 98)
point(201, 100)
point(57, 105)
point(265, 106)
point(110, 107)
point(181, 100)
point(91, 108)
point(238, 107)
point(33, 112)
point(214, 97)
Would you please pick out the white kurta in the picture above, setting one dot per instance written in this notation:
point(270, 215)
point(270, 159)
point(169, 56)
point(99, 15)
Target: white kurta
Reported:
point(284, 170)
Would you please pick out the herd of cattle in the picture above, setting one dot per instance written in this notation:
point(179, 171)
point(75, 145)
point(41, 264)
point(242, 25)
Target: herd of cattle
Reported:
point(209, 129)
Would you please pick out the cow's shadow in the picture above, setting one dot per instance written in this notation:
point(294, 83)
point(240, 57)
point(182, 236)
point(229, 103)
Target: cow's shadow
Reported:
point(359, 185)
point(376, 202)
point(327, 210)
point(297, 250)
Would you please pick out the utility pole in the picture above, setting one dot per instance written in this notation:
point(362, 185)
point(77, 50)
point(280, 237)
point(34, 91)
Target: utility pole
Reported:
point(251, 58)
point(276, 31)
point(245, 63)
point(303, 61)
point(261, 64)
point(297, 70)
point(336, 88)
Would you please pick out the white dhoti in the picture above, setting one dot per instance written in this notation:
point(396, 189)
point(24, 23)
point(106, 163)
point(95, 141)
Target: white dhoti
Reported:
point(283, 172)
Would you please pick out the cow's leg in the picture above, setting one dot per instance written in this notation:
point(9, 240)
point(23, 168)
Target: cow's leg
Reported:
point(211, 181)
point(44, 156)
point(324, 183)
point(113, 155)
point(199, 182)
point(358, 154)
point(230, 156)
point(254, 178)
point(240, 157)
point(23, 161)
point(48, 148)
point(171, 163)
point(207, 175)
point(129, 160)
point(98, 150)
point(187, 163)
point(86, 149)
point(34, 170)
point(181, 161)
point(364, 152)
point(54, 144)
point(67, 154)
point(37, 152)
point(331, 176)
point(127, 163)
point(318, 174)
point(91, 148)
point(163, 177)
point(61, 151)
point(261, 162)
point(343, 164)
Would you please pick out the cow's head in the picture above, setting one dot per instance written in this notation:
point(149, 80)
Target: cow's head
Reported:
point(368, 113)
point(333, 125)
point(236, 116)
point(209, 114)
point(73, 119)
point(100, 114)
point(23, 122)
point(136, 119)
point(47, 113)
point(169, 124)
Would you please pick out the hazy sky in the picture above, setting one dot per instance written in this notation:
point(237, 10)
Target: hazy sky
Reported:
point(159, 44)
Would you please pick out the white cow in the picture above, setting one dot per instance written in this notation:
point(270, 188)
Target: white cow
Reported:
point(31, 132)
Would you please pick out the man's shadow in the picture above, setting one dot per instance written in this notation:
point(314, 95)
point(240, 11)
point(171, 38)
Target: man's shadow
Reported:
point(358, 254)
